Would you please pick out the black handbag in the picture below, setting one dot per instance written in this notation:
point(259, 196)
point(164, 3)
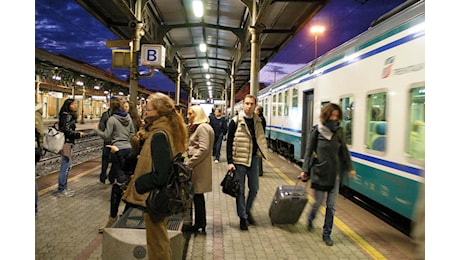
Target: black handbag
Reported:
point(230, 184)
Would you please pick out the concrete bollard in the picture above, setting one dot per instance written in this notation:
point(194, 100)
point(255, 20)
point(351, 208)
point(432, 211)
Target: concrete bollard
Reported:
point(127, 244)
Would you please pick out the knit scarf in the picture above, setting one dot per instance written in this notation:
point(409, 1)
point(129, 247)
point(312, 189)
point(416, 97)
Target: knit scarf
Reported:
point(192, 128)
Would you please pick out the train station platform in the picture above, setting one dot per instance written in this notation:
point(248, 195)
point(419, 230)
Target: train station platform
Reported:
point(67, 228)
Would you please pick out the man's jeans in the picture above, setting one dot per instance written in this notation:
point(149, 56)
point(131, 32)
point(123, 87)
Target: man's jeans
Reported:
point(217, 146)
point(243, 207)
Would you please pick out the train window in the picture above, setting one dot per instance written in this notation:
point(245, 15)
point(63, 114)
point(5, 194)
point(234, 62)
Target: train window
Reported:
point(324, 103)
point(274, 105)
point(280, 103)
point(286, 103)
point(347, 104)
point(416, 134)
point(376, 126)
point(295, 98)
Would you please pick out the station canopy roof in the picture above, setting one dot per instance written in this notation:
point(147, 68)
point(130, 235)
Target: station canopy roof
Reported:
point(224, 28)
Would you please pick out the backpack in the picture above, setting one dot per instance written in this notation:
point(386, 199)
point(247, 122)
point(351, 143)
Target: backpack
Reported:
point(53, 139)
point(176, 196)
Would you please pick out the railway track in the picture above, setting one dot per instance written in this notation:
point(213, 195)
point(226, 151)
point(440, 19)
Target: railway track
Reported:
point(85, 149)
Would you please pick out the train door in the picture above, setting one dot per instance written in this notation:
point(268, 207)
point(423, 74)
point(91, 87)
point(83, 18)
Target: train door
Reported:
point(307, 119)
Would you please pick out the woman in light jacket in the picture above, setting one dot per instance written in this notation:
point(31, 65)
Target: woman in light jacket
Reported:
point(200, 144)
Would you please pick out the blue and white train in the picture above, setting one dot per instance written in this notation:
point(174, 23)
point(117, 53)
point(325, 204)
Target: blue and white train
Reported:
point(378, 78)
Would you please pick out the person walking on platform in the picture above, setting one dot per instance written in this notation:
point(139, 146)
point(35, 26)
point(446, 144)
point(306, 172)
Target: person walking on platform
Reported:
point(219, 125)
point(105, 150)
point(201, 140)
point(260, 112)
point(67, 124)
point(326, 159)
point(246, 135)
point(167, 136)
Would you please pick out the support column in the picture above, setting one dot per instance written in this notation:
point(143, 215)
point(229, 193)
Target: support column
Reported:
point(232, 90)
point(82, 120)
point(135, 48)
point(179, 74)
point(190, 95)
point(255, 31)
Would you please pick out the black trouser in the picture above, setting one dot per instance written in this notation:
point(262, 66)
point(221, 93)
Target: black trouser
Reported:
point(200, 210)
point(105, 163)
point(115, 199)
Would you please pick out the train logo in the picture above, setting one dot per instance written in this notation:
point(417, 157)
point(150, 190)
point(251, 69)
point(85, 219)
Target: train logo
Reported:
point(387, 67)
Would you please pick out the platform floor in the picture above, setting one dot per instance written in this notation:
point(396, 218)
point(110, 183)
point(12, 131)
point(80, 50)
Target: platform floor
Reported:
point(67, 228)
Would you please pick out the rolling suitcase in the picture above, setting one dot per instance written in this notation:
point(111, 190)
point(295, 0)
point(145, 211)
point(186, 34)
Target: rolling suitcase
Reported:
point(288, 204)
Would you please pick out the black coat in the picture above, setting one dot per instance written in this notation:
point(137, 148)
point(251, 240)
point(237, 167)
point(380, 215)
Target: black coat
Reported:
point(333, 159)
point(67, 124)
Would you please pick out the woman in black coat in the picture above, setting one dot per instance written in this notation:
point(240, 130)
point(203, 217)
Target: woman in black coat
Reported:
point(326, 158)
point(67, 124)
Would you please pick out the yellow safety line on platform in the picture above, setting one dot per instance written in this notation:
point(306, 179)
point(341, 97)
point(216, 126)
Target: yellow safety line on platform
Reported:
point(53, 187)
point(374, 253)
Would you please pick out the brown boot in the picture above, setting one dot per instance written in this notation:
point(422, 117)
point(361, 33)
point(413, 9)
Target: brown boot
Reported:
point(109, 223)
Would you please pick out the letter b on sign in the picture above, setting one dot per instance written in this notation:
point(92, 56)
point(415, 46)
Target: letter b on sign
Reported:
point(153, 55)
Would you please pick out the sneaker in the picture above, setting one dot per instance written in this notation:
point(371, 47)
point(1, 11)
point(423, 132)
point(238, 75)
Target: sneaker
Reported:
point(251, 220)
point(328, 240)
point(309, 226)
point(216, 161)
point(243, 224)
point(65, 193)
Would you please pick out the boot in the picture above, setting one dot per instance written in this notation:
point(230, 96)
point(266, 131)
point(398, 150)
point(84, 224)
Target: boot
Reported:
point(109, 223)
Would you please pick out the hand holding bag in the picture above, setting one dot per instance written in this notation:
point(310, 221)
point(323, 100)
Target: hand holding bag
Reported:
point(230, 184)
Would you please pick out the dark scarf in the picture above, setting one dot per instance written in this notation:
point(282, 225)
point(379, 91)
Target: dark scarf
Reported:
point(192, 129)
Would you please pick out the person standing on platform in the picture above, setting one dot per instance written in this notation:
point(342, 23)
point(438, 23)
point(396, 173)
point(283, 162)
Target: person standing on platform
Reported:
point(135, 117)
point(167, 136)
point(326, 145)
point(200, 143)
point(219, 125)
point(67, 124)
point(246, 135)
point(38, 144)
point(105, 150)
point(120, 130)
point(126, 106)
point(260, 112)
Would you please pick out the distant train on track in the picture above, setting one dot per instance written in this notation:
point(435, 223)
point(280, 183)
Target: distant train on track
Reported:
point(378, 78)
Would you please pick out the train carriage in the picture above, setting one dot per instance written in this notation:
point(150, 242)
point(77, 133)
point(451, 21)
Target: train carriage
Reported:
point(378, 78)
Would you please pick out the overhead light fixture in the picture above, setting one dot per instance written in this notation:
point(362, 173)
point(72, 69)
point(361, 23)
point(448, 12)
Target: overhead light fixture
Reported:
point(205, 66)
point(208, 76)
point(203, 47)
point(198, 8)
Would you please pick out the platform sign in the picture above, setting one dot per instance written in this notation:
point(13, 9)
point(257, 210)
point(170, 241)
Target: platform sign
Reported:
point(153, 55)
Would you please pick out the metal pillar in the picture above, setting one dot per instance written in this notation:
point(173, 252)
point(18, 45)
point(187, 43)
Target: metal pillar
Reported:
point(179, 73)
point(135, 48)
point(232, 90)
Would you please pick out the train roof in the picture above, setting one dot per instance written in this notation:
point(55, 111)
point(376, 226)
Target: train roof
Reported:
point(394, 18)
